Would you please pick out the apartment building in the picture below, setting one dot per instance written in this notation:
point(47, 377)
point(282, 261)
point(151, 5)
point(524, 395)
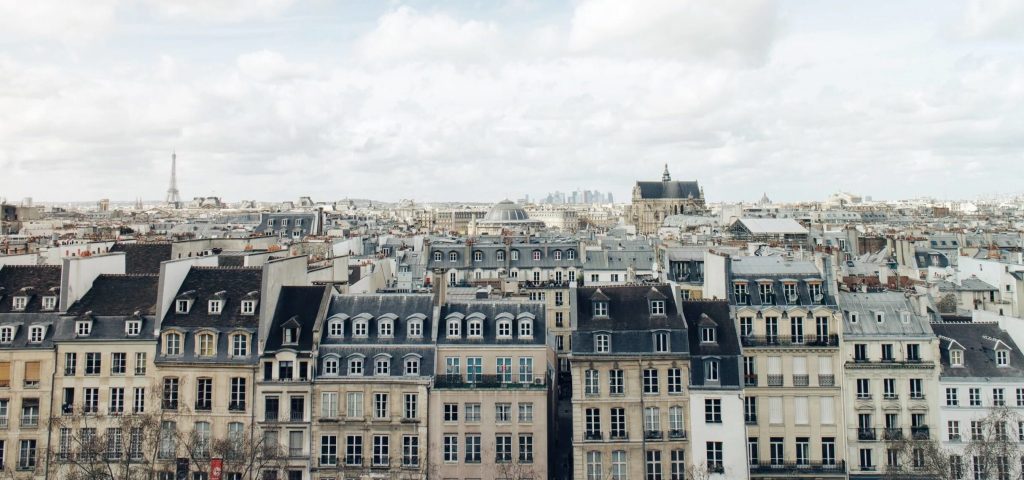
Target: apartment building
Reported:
point(631, 372)
point(28, 314)
point(284, 410)
point(492, 400)
point(981, 400)
point(466, 262)
point(792, 404)
point(375, 361)
point(558, 304)
point(891, 370)
point(207, 361)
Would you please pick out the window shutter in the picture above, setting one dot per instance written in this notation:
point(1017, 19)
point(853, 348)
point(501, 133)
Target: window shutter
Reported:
point(824, 365)
point(775, 410)
point(799, 365)
point(5, 374)
point(32, 371)
point(828, 411)
point(774, 365)
point(801, 407)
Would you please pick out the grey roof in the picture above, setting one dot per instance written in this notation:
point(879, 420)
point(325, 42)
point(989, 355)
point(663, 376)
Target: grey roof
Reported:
point(726, 348)
point(773, 265)
point(399, 306)
point(669, 189)
point(772, 226)
point(489, 252)
point(505, 211)
point(33, 281)
point(978, 341)
point(143, 257)
point(489, 313)
point(22, 322)
point(397, 354)
point(204, 283)
point(299, 305)
point(891, 305)
point(619, 259)
point(118, 296)
point(629, 320)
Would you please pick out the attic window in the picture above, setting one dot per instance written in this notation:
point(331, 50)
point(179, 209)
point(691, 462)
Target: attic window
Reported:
point(49, 302)
point(504, 328)
point(661, 342)
point(248, 307)
point(386, 328)
point(602, 343)
point(880, 317)
point(657, 307)
point(600, 309)
point(453, 329)
point(291, 335)
point(437, 256)
point(1002, 358)
point(19, 303)
point(499, 255)
point(415, 328)
point(905, 317)
point(475, 329)
point(36, 333)
point(956, 357)
point(182, 306)
point(707, 335)
point(133, 328)
point(359, 328)
point(515, 254)
point(6, 334)
point(525, 328)
point(83, 328)
point(215, 307)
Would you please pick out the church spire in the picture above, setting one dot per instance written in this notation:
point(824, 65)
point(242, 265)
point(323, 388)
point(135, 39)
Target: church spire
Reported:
point(665, 177)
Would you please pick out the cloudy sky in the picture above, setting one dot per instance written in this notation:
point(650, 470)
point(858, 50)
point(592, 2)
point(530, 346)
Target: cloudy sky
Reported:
point(481, 100)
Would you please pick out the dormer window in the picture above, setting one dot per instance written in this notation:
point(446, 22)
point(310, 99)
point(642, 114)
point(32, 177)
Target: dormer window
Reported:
point(557, 254)
point(172, 344)
point(536, 255)
point(499, 255)
point(707, 334)
point(36, 333)
point(602, 343)
point(905, 316)
point(438, 256)
point(789, 289)
point(291, 336)
point(412, 365)
point(739, 290)
point(355, 366)
point(205, 345)
point(182, 306)
point(711, 372)
point(504, 329)
point(475, 329)
point(330, 366)
point(382, 366)
point(215, 307)
point(515, 255)
point(360, 328)
point(49, 302)
point(815, 291)
point(453, 257)
point(570, 254)
point(525, 328)
point(880, 317)
point(414, 328)
point(1002, 358)
point(956, 357)
point(133, 328)
point(19, 303)
point(853, 317)
point(239, 345)
point(6, 334)
point(661, 342)
point(454, 330)
point(765, 290)
point(478, 256)
point(386, 328)
point(248, 307)
point(657, 307)
point(335, 328)
point(83, 328)
point(601, 309)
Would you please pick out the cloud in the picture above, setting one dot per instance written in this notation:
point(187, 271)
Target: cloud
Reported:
point(67, 22)
point(738, 31)
point(406, 34)
point(269, 66)
point(993, 19)
point(226, 11)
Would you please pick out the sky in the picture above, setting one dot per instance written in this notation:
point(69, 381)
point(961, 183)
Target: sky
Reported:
point(491, 99)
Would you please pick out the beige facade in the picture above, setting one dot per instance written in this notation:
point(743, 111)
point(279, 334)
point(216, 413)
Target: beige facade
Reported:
point(25, 386)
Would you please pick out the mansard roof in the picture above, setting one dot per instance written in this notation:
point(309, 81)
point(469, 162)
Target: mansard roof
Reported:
point(205, 283)
point(33, 281)
point(143, 257)
point(979, 342)
point(629, 308)
point(669, 190)
point(400, 307)
point(297, 306)
point(118, 295)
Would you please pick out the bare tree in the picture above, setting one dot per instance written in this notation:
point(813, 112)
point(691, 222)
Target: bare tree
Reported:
point(93, 446)
point(249, 454)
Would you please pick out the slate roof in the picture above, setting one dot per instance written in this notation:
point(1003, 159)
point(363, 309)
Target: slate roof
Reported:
point(118, 295)
point(31, 280)
point(978, 341)
point(772, 226)
point(398, 353)
point(890, 304)
point(619, 259)
point(669, 190)
point(490, 255)
point(726, 349)
point(22, 322)
point(203, 283)
point(490, 311)
point(301, 305)
point(772, 265)
point(401, 305)
point(143, 257)
point(628, 308)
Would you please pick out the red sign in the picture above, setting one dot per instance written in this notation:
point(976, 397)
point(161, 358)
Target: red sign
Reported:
point(216, 468)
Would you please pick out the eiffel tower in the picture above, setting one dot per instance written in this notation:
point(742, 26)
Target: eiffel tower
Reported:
point(173, 198)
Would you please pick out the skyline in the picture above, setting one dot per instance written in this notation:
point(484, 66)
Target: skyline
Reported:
point(280, 98)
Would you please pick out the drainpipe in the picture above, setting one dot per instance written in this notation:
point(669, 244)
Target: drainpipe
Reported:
point(49, 425)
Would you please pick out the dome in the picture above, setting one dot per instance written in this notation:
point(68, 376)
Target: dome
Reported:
point(506, 211)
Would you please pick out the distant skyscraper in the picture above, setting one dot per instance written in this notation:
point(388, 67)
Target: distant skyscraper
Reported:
point(173, 197)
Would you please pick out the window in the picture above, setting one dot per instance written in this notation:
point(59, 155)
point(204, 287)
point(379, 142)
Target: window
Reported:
point(381, 450)
point(411, 410)
point(438, 256)
point(412, 365)
point(354, 450)
point(956, 357)
point(675, 381)
point(619, 467)
point(595, 468)
point(116, 400)
point(204, 393)
point(472, 412)
point(382, 366)
point(92, 363)
point(410, 451)
point(478, 256)
point(360, 328)
point(652, 420)
point(714, 457)
point(118, 363)
point(215, 306)
point(172, 344)
point(330, 366)
point(650, 381)
point(451, 448)
point(27, 455)
point(750, 410)
point(355, 366)
point(451, 412)
point(618, 422)
point(525, 328)
point(380, 405)
point(592, 418)
point(600, 309)
point(35, 333)
point(502, 448)
point(1002, 358)
point(998, 398)
point(616, 383)
point(329, 404)
point(454, 328)
point(525, 412)
point(707, 334)
point(711, 371)
point(248, 307)
point(713, 410)
point(238, 394)
point(657, 307)
point(140, 363)
point(170, 393)
point(974, 396)
point(525, 448)
point(414, 328)
point(138, 400)
point(328, 450)
point(661, 342)
point(49, 302)
point(70, 363)
point(83, 329)
point(591, 383)
point(916, 388)
point(602, 343)
point(863, 388)
point(239, 345)
point(860, 352)
point(502, 412)
point(952, 397)
point(182, 306)
point(30, 410)
point(354, 404)
point(525, 370)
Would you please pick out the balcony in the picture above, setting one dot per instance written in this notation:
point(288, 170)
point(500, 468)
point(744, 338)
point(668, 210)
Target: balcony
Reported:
point(618, 435)
point(801, 380)
point(790, 341)
point(866, 434)
point(750, 380)
point(204, 407)
point(890, 396)
point(169, 405)
point(593, 436)
point(916, 396)
point(487, 381)
point(826, 380)
point(236, 407)
point(920, 432)
point(328, 460)
point(3, 422)
point(893, 433)
point(385, 462)
point(774, 380)
point(296, 417)
point(677, 434)
point(785, 468)
point(955, 437)
point(654, 435)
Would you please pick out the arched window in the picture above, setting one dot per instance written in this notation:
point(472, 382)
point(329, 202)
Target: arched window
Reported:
point(475, 329)
point(414, 328)
point(330, 366)
point(499, 255)
point(6, 334)
point(355, 366)
point(412, 365)
point(382, 366)
point(453, 257)
point(478, 256)
point(386, 328)
point(504, 329)
point(359, 328)
point(335, 328)
point(570, 254)
point(239, 345)
point(515, 255)
point(172, 343)
point(525, 328)
point(36, 333)
point(204, 345)
point(536, 255)
point(558, 254)
point(438, 256)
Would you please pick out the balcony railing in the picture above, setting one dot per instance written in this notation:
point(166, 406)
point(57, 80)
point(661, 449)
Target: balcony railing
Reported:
point(487, 381)
point(774, 380)
point(826, 380)
point(653, 435)
point(801, 380)
point(236, 407)
point(270, 416)
point(866, 434)
point(593, 436)
point(750, 380)
point(618, 435)
point(893, 433)
point(790, 341)
point(920, 433)
point(798, 467)
point(3, 422)
point(296, 417)
point(677, 434)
